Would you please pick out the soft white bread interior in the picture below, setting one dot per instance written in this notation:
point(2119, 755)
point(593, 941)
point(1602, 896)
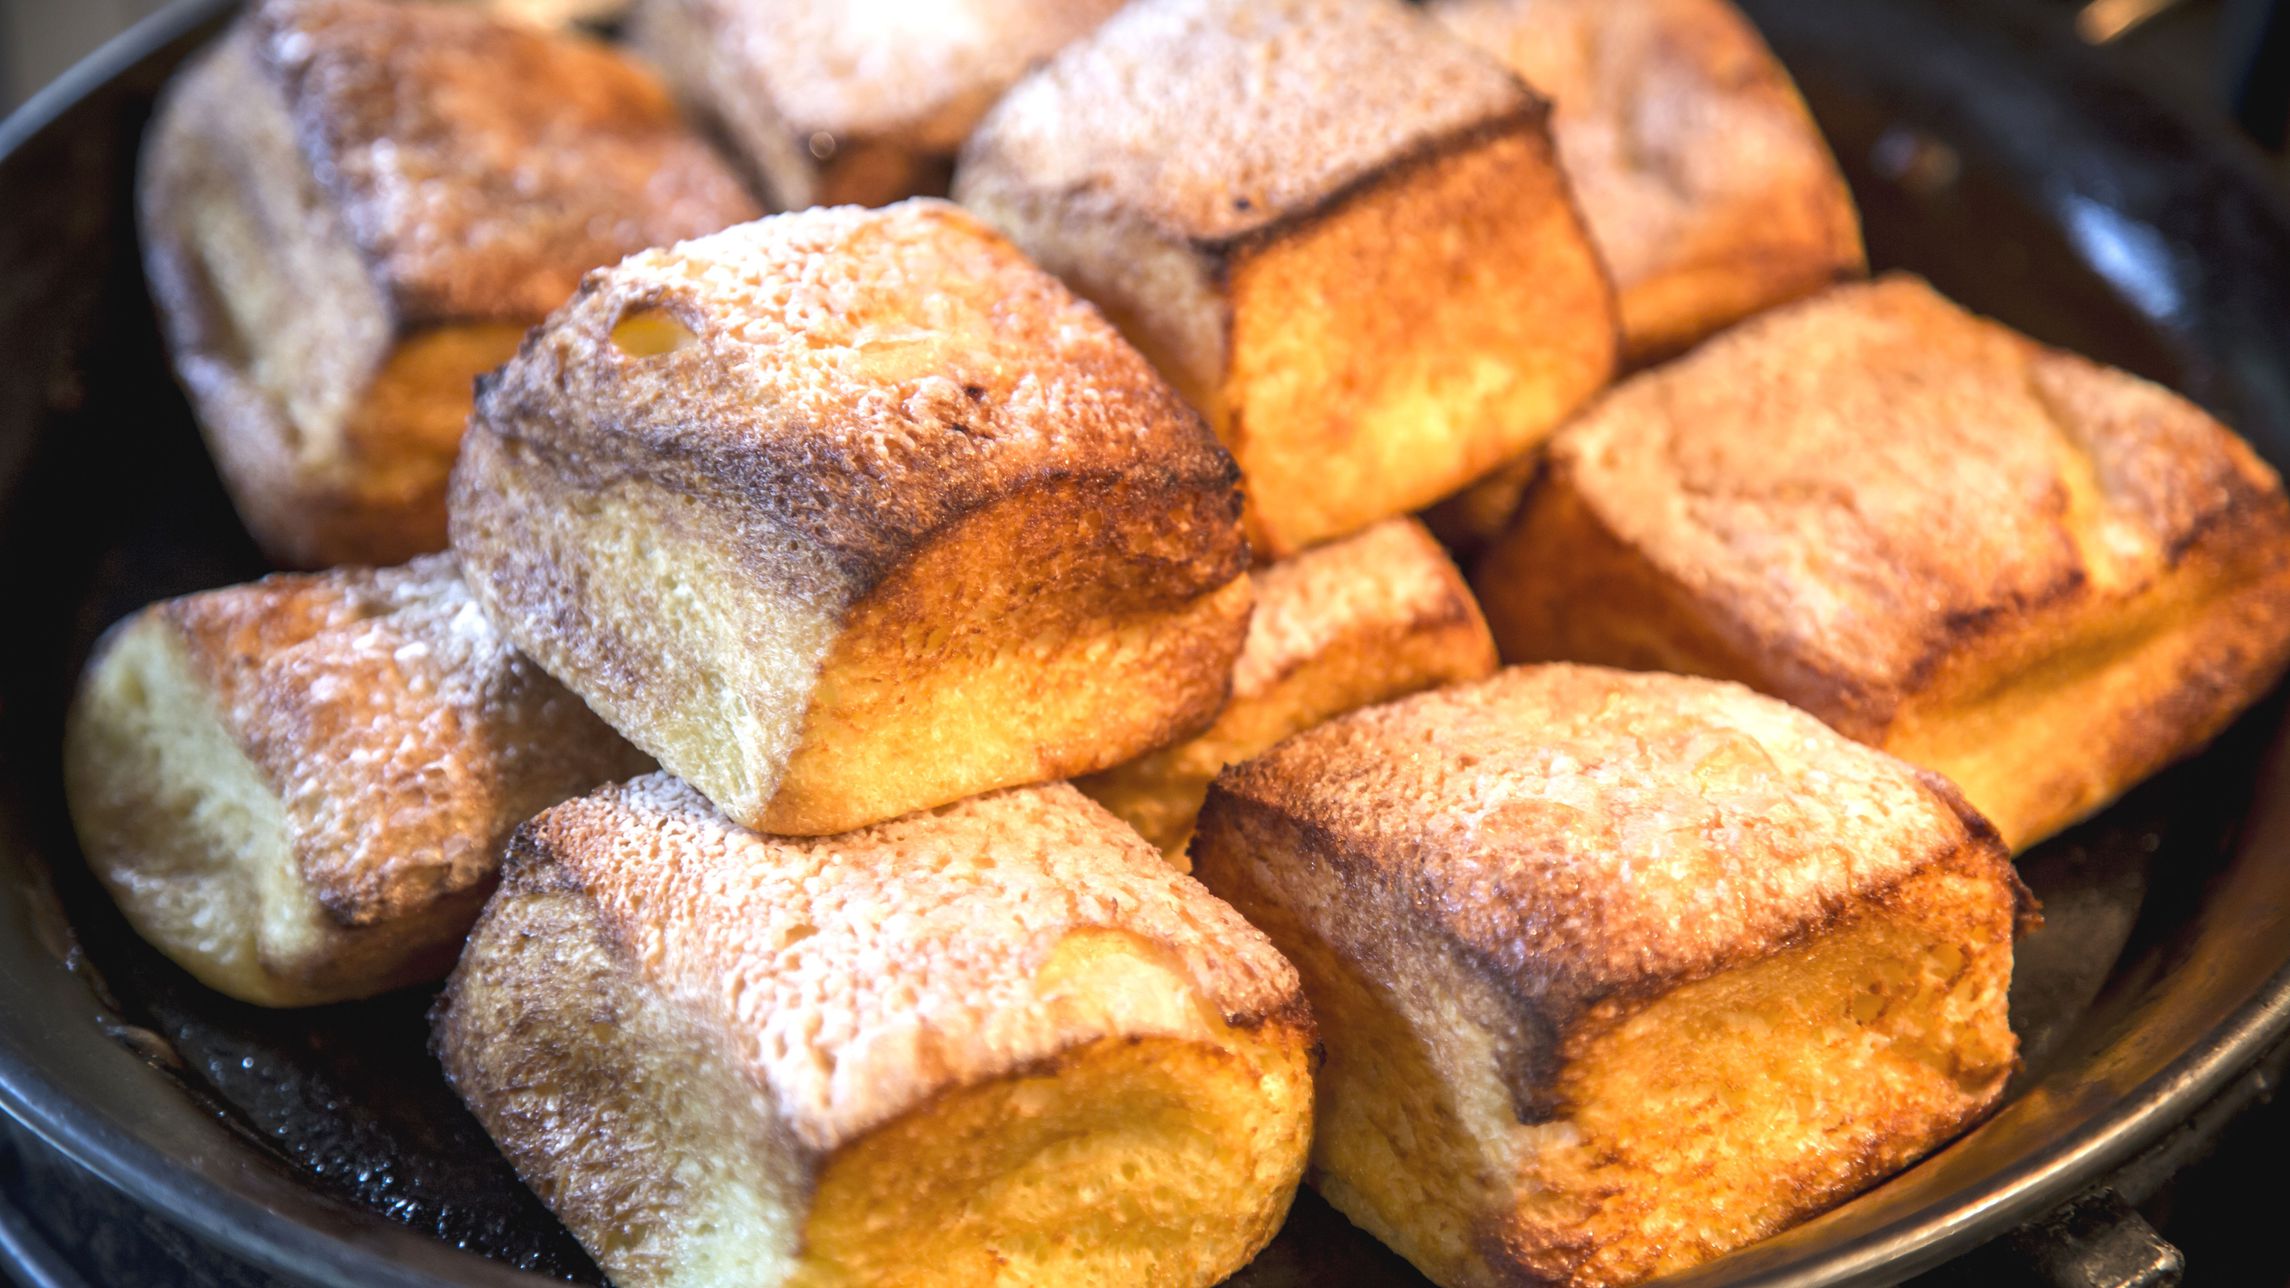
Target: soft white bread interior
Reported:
point(1000, 1042)
point(2044, 578)
point(1365, 619)
point(351, 208)
point(1340, 231)
point(1616, 972)
point(851, 101)
point(847, 513)
point(298, 789)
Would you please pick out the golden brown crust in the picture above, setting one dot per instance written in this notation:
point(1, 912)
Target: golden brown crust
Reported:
point(856, 977)
point(482, 166)
point(863, 378)
point(403, 735)
point(1319, 218)
point(1587, 835)
point(1362, 620)
point(1617, 971)
point(299, 788)
point(1185, 113)
point(835, 103)
point(824, 407)
point(1882, 509)
point(339, 240)
point(1704, 181)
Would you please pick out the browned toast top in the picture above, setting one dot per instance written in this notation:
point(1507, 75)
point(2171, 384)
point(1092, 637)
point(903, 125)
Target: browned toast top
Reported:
point(401, 732)
point(858, 379)
point(480, 165)
point(1216, 119)
point(1863, 482)
point(855, 976)
point(1584, 833)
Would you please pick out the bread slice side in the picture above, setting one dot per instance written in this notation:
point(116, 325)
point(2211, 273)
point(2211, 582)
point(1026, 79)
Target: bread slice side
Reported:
point(1384, 353)
point(193, 842)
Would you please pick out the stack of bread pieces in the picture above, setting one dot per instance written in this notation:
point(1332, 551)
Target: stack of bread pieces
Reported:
point(932, 730)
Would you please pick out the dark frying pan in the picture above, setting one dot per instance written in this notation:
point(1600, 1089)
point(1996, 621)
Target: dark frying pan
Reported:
point(322, 1147)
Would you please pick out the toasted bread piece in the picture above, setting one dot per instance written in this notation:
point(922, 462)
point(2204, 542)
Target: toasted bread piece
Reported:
point(1617, 972)
point(851, 101)
point(1369, 618)
point(1342, 233)
point(847, 513)
point(2043, 578)
point(298, 789)
point(1705, 183)
point(350, 208)
point(1000, 1042)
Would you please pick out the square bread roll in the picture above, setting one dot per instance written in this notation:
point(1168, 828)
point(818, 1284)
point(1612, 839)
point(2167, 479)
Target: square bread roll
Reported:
point(2044, 578)
point(1615, 972)
point(851, 101)
point(1365, 619)
point(1342, 233)
point(298, 789)
point(847, 513)
point(1001, 1042)
point(1706, 186)
point(350, 208)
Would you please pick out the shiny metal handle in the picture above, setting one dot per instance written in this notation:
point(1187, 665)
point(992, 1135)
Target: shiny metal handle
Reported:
point(2097, 1241)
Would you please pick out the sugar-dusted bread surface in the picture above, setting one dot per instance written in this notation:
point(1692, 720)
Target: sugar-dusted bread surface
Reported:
point(2042, 577)
point(1706, 185)
point(1371, 617)
point(482, 166)
point(1321, 219)
point(1617, 971)
point(299, 788)
point(847, 513)
point(832, 101)
point(350, 208)
point(794, 1044)
point(1214, 120)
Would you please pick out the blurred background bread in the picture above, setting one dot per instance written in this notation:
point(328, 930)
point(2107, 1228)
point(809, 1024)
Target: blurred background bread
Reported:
point(846, 513)
point(1617, 972)
point(861, 101)
point(1361, 620)
point(1705, 184)
point(298, 789)
point(1707, 188)
point(2044, 578)
point(1000, 1042)
point(351, 208)
point(1341, 232)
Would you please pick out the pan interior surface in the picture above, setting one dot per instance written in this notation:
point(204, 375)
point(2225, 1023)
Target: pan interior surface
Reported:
point(1986, 155)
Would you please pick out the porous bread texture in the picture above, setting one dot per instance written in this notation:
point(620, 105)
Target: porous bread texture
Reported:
point(1615, 972)
point(1371, 617)
point(848, 513)
point(2043, 578)
point(851, 101)
point(351, 208)
point(1704, 182)
point(298, 789)
point(1340, 232)
point(1000, 1042)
